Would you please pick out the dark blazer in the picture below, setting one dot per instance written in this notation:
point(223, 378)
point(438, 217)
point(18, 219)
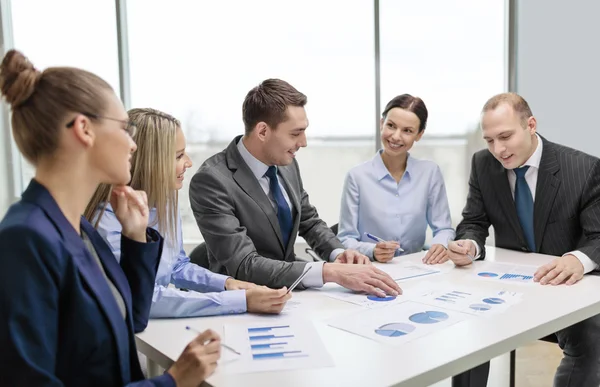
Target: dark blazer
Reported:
point(240, 225)
point(60, 324)
point(566, 209)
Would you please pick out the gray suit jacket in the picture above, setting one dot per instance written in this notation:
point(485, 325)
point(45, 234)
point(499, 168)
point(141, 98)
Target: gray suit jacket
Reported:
point(240, 226)
point(566, 209)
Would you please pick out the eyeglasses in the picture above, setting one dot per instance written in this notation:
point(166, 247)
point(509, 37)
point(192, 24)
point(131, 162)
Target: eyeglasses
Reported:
point(130, 127)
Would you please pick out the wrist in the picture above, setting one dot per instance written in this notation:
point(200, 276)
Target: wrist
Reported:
point(137, 235)
point(329, 272)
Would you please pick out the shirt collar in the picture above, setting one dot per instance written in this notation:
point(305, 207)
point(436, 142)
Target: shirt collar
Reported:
point(257, 167)
point(381, 170)
point(536, 157)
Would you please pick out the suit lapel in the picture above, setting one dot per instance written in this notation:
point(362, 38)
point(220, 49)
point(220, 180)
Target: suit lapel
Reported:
point(545, 191)
point(88, 268)
point(505, 199)
point(247, 181)
point(290, 182)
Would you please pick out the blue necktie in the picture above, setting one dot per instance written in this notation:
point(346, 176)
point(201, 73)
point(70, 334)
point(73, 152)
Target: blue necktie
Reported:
point(284, 215)
point(524, 205)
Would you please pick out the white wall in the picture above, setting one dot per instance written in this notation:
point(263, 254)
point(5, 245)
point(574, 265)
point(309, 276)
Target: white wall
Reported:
point(558, 68)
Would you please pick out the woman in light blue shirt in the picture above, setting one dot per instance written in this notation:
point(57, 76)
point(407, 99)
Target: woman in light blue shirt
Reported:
point(388, 201)
point(158, 168)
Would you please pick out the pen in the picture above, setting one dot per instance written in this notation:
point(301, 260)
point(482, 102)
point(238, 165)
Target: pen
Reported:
point(298, 280)
point(314, 255)
point(222, 344)
point(468, 255)
point(378, 239)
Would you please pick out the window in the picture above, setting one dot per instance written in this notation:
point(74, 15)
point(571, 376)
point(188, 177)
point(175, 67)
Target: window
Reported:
point(197, 61)
point(78, 34)
point(452, 55)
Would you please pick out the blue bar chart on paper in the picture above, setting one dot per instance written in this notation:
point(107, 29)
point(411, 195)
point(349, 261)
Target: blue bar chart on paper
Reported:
point(266, 347)
point(502, 272)
point(273, 342)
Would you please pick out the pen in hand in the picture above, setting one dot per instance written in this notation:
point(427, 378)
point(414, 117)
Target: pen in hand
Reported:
point(222, 344)
point(378, 239)
point(467, 253)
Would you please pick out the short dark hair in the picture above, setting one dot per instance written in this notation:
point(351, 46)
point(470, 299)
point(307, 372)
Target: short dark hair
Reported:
point(268, 102)
point(410, 103)
point(514, 100)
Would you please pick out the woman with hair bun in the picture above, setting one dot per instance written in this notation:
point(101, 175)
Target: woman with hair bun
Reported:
point(69, 310)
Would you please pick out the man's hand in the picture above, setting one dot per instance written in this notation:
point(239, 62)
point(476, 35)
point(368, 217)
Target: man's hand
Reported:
point(461, 252)
point(361, 278)
point(384, 251)
point(352, 256)
point(233, 284)
point(567, 269)
point(436, 254)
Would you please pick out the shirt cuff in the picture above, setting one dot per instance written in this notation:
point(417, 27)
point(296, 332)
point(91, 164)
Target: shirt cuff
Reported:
point(234, 301)
point(314, 278)
point(332, 256)
point(588, 264)
point(217, 281)
point(478, 253)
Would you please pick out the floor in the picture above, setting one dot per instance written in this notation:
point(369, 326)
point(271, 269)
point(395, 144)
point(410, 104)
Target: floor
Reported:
point(536, 364)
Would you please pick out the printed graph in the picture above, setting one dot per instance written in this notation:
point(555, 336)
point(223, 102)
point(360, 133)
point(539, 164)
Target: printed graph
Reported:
point(273, 342)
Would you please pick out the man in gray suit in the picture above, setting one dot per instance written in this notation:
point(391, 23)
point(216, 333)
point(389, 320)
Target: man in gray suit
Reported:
point(250, 204)
point(540, 197)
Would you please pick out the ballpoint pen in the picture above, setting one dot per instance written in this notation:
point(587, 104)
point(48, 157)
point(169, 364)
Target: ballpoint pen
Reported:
point(467, 253)
point(298, 280)
point(378, 239)
point(222, 344)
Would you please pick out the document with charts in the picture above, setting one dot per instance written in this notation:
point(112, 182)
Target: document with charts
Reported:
point(273, 346)
point(398, 324)
point(505, 272)
point(469, 299)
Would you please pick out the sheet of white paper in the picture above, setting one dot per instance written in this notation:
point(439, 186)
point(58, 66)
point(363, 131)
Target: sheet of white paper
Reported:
point(468, 299)
point(506, 273)
point(368, 301)
point(277, 346)
point(399, 323)
point(402, 271)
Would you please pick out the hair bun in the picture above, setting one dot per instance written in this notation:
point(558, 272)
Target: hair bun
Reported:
point(18, 78)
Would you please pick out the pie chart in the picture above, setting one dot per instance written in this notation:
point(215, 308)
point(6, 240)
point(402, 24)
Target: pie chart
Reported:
point(395, 329)
point(487, 274)
point(387, 298)
point(428, 317)
point(493, 300)
point(480, 307)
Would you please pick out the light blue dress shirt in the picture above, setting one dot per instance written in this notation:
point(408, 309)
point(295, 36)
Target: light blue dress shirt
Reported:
point(372, 202)
point(175, 268)
point(315, 277)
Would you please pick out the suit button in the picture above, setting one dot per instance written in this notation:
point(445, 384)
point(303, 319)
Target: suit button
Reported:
point(524, 248)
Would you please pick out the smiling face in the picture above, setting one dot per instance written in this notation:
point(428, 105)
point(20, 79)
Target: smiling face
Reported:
point(510, 137)
point(182, 160)
point(281, 144)
point(399, 131)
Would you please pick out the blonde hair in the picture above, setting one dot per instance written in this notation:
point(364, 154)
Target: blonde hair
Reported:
point(152, 169)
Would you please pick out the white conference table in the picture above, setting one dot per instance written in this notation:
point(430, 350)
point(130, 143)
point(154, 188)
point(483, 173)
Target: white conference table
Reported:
point(423, 361)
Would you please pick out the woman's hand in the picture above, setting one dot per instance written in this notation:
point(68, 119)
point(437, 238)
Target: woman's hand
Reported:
point(131, 209)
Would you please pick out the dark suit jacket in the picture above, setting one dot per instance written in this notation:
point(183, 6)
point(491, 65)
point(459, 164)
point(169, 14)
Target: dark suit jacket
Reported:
point(240, 225)
point(60, 324)
point(566, 209)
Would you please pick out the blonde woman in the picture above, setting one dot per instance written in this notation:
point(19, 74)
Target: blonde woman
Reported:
point(158, 167)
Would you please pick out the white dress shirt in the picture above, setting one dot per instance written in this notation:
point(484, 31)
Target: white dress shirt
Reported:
point(531, 178)
point(315, 277)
